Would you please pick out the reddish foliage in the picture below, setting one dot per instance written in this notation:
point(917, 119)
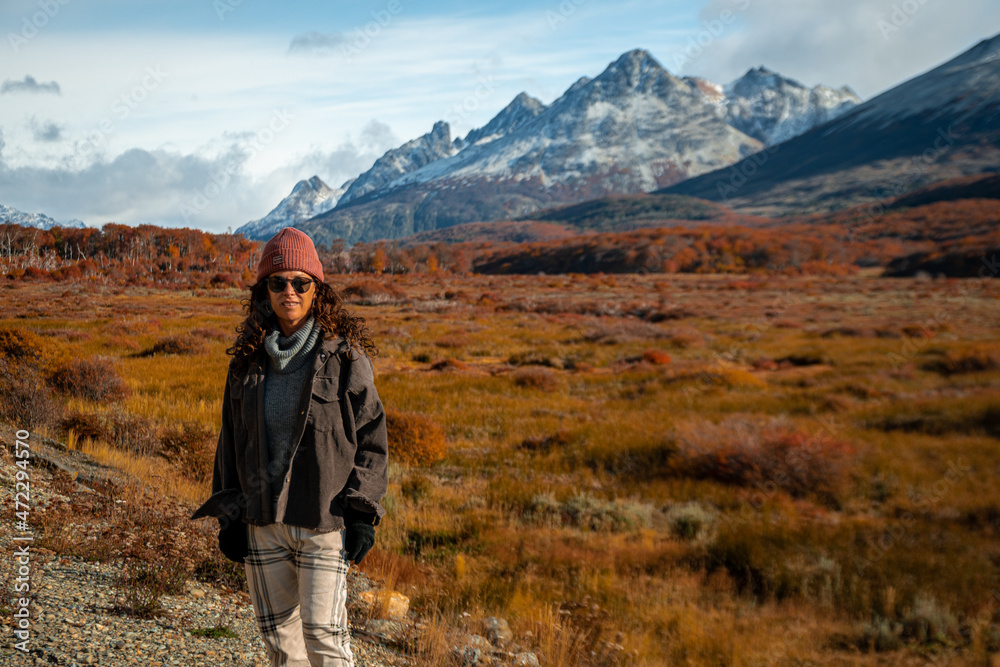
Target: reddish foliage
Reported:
point(769, 457)
point(656, 357)
point(93, 378)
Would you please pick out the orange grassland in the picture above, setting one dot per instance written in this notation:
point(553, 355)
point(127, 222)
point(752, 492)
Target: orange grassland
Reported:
point(635, 469)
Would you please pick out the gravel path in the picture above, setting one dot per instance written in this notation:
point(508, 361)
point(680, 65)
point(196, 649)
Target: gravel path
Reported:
point(72, 602)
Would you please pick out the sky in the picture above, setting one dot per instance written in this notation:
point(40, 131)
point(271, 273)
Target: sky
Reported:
point(205, 113)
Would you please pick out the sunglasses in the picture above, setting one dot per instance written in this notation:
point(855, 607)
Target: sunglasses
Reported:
point(277, 284)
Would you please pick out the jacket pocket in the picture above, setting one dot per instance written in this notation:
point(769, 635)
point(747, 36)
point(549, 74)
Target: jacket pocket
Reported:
point(326, 417)
point(325, 390)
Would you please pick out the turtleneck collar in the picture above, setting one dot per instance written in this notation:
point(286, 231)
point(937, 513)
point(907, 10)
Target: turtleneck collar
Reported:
point(287, 353)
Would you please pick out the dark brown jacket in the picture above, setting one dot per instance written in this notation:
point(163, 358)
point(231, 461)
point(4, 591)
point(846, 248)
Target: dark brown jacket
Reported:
point(339, 453)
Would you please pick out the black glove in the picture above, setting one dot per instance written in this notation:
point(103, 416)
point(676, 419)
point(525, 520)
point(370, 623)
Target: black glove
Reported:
point(233, 541)
point(360, 536)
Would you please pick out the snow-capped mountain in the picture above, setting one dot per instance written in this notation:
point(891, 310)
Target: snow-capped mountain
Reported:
point(634, 128)
point(39, 220)
point(309, 198)
point(772, 108)
point(409, 157)
point(939, 125)
point(523, 108)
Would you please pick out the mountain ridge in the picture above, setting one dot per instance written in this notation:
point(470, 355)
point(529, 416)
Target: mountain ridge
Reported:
point(942, 124)
point(36, 220)
point(633, 128)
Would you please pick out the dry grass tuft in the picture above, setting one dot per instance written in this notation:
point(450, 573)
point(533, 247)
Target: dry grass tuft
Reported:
point(972, 360)
point(536, 378)
point(190, 447)
point(185, 344)
point(414, 439)
point(449, 365)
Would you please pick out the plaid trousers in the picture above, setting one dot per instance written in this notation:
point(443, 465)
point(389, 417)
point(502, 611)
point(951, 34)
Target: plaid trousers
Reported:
point(298, 584)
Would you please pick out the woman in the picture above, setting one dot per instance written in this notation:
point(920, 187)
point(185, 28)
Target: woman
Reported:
point(301, 462)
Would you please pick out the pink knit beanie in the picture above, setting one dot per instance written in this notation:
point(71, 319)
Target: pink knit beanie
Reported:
point(290, 250)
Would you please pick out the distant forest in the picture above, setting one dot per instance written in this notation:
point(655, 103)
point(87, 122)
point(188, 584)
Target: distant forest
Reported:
point(955, 238)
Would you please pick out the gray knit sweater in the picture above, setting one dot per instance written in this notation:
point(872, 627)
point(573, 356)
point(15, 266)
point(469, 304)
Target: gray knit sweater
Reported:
point(287, 371)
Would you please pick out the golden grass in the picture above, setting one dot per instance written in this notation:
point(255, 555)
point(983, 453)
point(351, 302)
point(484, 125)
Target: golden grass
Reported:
point(556, 504)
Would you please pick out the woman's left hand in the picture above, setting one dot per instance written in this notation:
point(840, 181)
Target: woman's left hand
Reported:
point(360, 536)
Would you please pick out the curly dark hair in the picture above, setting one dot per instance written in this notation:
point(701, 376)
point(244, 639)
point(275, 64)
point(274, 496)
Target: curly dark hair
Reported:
point(327, 308)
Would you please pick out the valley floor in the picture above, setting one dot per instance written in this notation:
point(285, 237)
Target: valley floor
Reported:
point(629, 469)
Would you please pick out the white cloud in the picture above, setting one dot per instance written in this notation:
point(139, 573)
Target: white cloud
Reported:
point(210, 190)
point(816, 41)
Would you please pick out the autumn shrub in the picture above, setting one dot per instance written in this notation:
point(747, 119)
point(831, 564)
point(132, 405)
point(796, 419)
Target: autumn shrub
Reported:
point(140, 585)
point(449, 365)
point(184, 344)
point(772, 563)
point(534, 358)
point(68, 272)
point(656, 357)
point(588, 512)
point(685, 337)
point(546, 443)
point(217, 570)
point(940, 417)
point(25, 399)
point(191, 447)
point(20, 344)
point(536, 378)
point(972, 360)
point(804, 358)
point(73, 335)
point(224, 280)
point(666, 313)
point(84, 425)
point(414, 439)
point(691, 520)
point(35, 274)
point(92, 378)
point(745, 452)
point(372, 292)
point(88, 267)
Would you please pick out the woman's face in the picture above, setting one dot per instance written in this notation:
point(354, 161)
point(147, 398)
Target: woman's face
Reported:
point(290, 307)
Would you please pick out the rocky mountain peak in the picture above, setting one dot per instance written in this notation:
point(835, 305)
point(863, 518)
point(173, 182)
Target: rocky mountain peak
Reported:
point(633, 71)
point(522, 108)
point(309, 197)
point(773, 108)
point(397, 162)
point(314, 184)
point(760, 78)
